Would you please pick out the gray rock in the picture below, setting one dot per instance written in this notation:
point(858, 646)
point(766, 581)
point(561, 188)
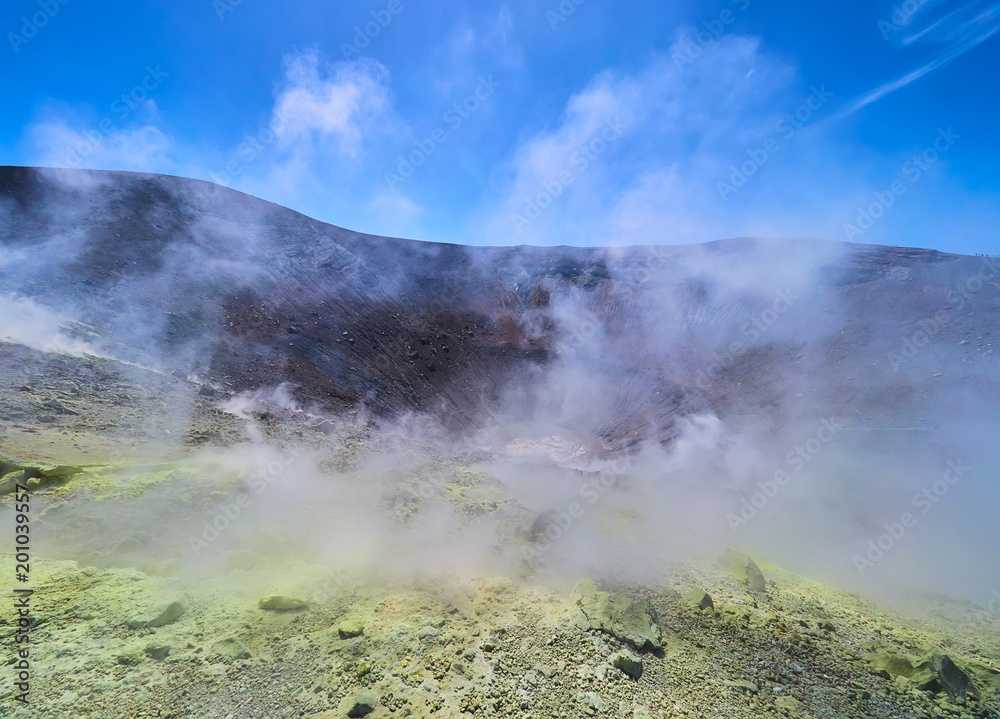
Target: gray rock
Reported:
point(350, 628)
point(59, 407)
point(169, 615)
point(742, 568)
point(935, 673)
point(157, 652)
point(232, 647)
point(590, 702)
point(945, 676)
point(743, 686)
point(699, 599)
point(789, 704)
point(362, 705)
point(631, 621)
point(281, 603)
point(628, 662)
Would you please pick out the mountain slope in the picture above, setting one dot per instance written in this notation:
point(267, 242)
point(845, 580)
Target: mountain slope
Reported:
point(617, 343)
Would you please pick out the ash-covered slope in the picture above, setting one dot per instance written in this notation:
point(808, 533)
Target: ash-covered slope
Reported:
point(616, 344)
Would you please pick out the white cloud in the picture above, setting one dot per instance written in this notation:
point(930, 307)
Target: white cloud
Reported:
point(691, 124)
point(66, 143)
point(335, 105)
point(634, 158)
point(323, 131)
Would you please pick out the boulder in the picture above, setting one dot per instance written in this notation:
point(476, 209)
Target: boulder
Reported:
point(132, 659)
point(789, 704)
point(231, 647)
point(744, 686)
point(944, 676)
point(362, 705)
point(891, 664)
point(935, 672)
point(590, 702)
point(628, 662)
point(169, 615)
point(633, 621)
point(743, 569)
point(158, 652)
point(281, 603)
point(350, 628)
point(699, 599)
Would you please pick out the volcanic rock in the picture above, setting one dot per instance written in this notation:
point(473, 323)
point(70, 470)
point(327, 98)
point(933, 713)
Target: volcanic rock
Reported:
point(629, 620)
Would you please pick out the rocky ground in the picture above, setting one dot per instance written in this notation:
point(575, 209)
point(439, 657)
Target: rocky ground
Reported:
point(264, 639)
point(79, 410)
point(125, 623)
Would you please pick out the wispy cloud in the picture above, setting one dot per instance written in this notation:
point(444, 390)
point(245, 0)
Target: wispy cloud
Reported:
point(959, 31)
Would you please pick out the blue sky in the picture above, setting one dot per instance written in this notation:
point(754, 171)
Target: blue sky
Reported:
point(595, 123)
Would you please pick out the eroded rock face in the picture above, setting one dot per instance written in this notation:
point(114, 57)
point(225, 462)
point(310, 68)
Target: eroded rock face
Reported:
point(946, 676)
point(34, 475)
point(633, 621)
point(9, 482)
